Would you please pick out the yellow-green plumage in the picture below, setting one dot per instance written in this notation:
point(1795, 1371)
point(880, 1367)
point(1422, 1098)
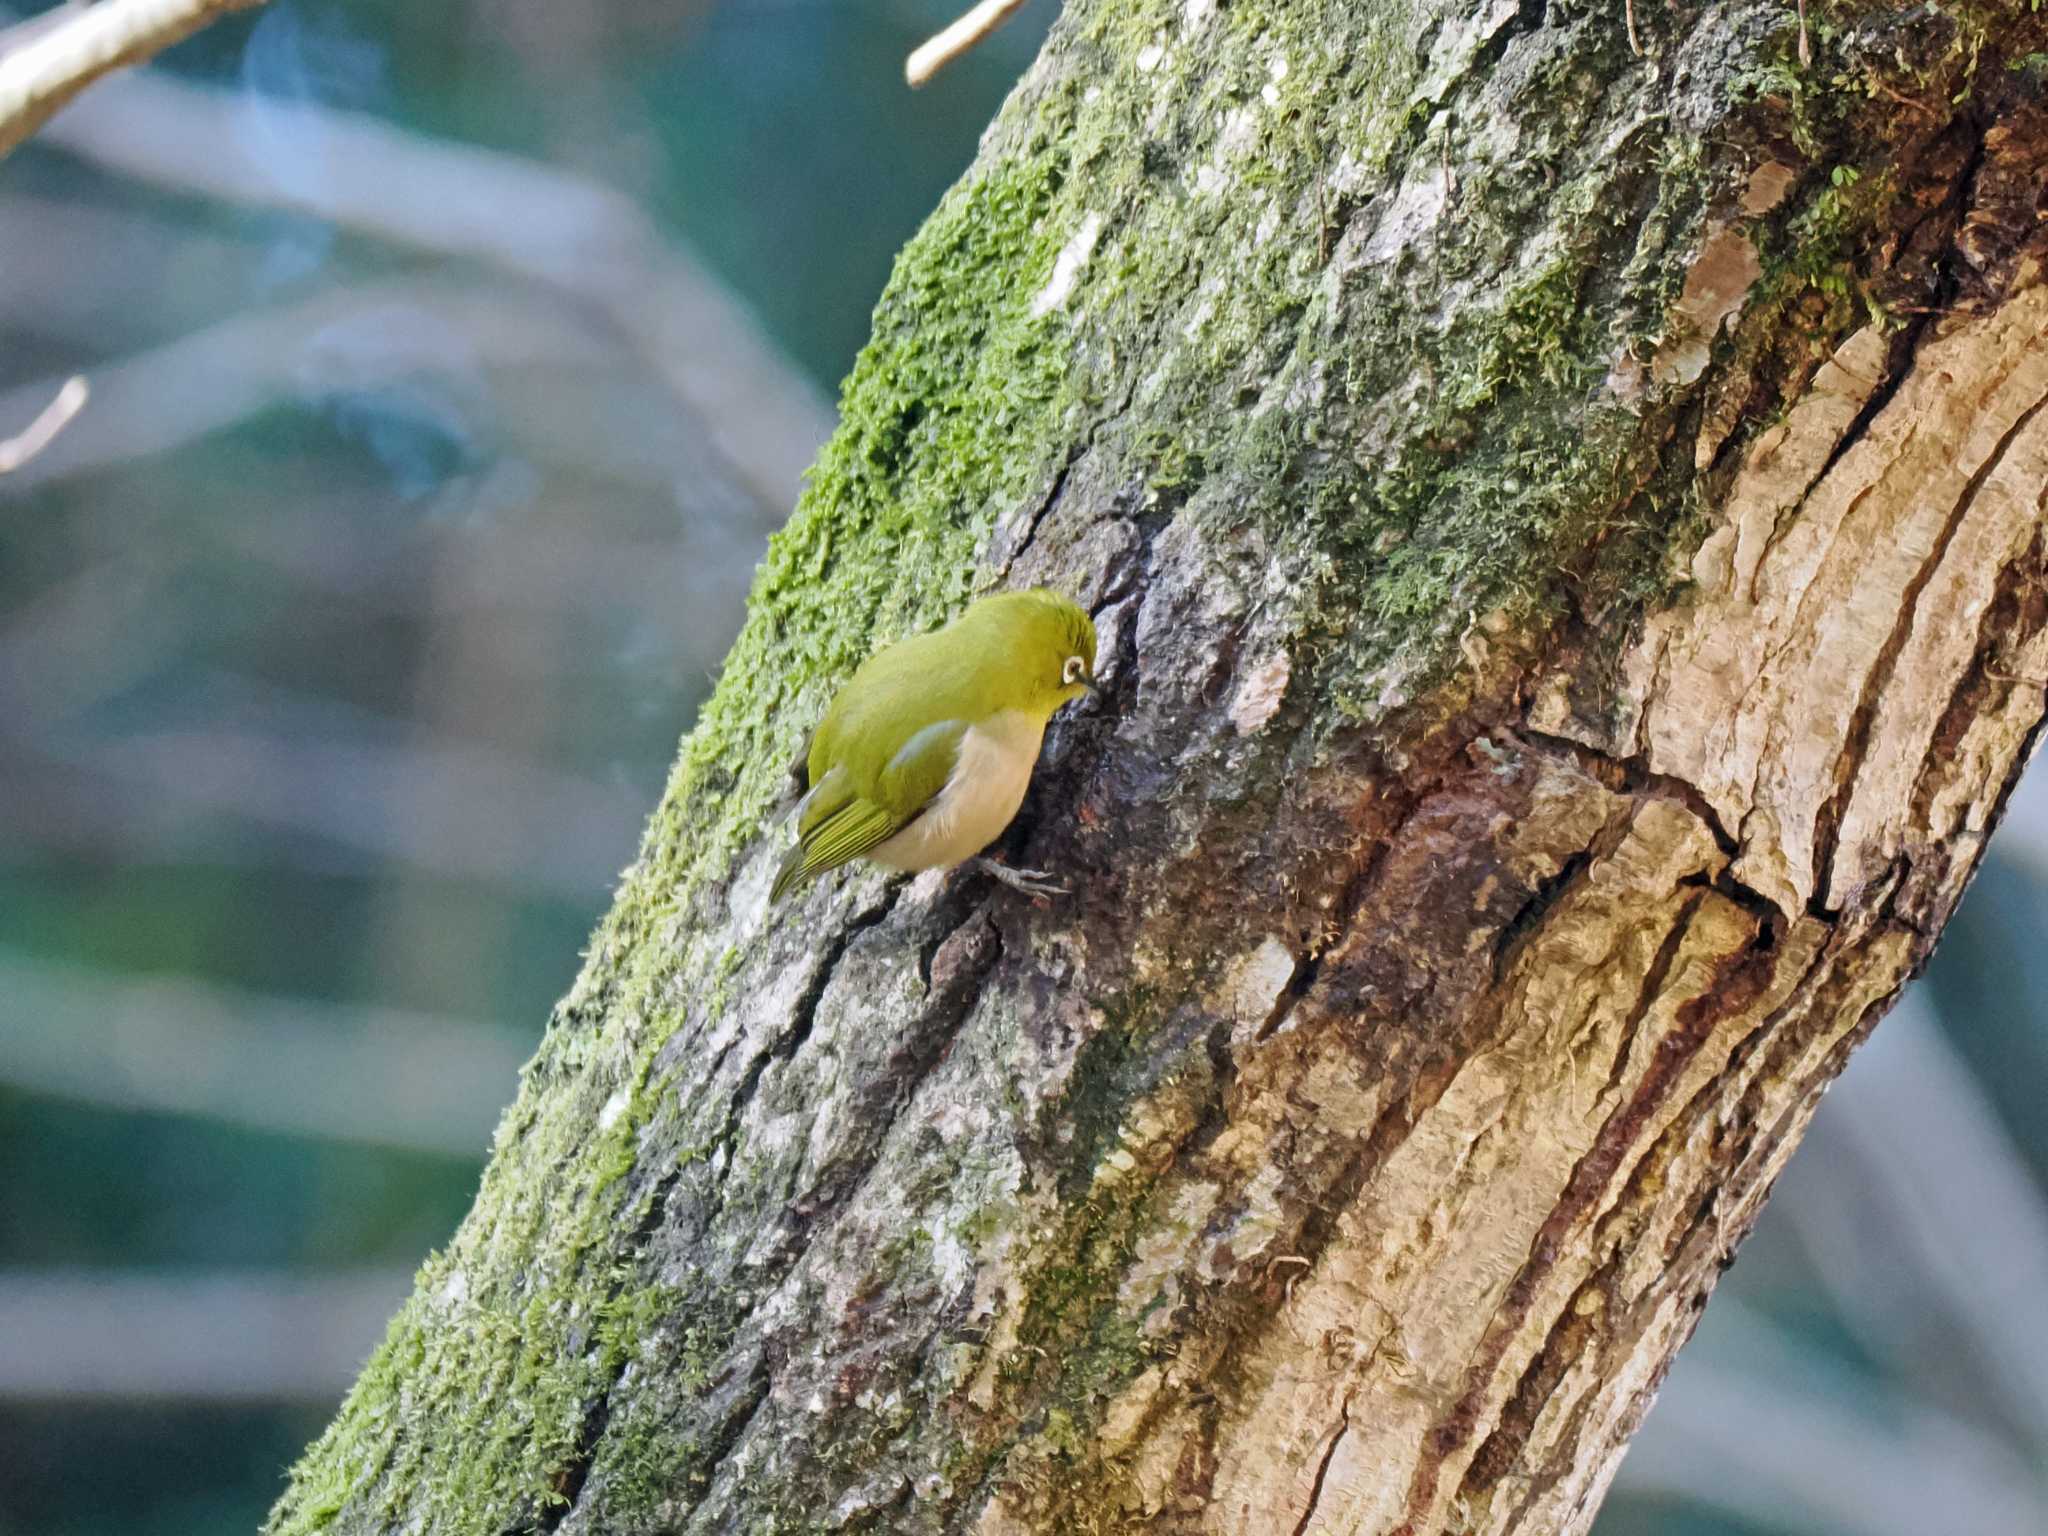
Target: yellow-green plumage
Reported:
point(931, 741)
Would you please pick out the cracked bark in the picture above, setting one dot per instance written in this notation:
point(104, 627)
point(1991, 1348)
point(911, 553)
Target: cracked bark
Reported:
point(1556, 700)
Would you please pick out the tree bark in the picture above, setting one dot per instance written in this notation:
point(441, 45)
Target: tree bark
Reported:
point(1566, 528)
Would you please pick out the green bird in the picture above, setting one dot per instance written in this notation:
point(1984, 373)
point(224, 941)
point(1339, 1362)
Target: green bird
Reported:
point(925, 753)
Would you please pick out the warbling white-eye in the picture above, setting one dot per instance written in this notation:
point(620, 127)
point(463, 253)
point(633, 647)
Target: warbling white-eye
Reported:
point(924, 755)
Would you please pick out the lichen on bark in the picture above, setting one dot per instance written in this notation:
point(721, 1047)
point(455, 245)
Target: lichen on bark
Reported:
point(1402, 385)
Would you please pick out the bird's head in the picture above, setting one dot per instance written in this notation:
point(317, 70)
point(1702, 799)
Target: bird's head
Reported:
point(1048, 645)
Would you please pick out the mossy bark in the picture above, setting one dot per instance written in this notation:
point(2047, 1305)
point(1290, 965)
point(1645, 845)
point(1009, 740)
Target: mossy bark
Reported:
point(1566, 529)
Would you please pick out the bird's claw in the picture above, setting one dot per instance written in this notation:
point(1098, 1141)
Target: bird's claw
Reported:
point(1035, 883)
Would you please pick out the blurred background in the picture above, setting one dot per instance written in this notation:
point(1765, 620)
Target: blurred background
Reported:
point(449, 365)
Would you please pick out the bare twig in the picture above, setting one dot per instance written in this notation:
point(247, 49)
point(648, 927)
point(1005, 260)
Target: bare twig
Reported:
point(213, 377)
point(935, 53)
point(32, 439)
point(54, 65)
point(1905, 101)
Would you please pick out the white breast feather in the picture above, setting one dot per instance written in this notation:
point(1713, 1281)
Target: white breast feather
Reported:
point(981, 796)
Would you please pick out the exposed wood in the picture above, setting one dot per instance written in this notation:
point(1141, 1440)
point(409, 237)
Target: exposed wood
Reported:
point(53, 63)
point(943, 47)
point(52, 419)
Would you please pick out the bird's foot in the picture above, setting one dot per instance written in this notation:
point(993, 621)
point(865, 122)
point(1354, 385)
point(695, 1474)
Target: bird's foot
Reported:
point(1035, 883)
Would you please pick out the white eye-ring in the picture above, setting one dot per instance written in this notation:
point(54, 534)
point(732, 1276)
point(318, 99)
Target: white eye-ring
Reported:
point(1074, 671)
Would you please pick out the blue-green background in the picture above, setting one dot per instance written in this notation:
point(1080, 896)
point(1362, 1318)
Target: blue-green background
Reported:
point(273, 752)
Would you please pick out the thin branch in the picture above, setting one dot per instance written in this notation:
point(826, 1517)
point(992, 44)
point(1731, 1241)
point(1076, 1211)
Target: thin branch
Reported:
point(19, 34)
point(549, 378)
point(32, 439)
point(935, 53)
point(49, 69)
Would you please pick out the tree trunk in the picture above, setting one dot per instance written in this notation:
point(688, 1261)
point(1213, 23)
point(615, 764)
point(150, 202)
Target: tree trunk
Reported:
point(1566, 526)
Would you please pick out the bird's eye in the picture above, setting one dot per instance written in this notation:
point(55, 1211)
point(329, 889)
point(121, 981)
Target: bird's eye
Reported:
point(1073, 670)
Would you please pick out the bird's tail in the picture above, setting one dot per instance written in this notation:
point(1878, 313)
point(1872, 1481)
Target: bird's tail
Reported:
point(790, 874)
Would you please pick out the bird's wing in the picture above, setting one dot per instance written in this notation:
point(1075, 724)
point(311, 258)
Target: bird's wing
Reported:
point(914, 776)
point(837, 822)
point(843, 834)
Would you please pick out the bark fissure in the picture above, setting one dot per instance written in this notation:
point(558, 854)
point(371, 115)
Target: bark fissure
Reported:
point(569, 1480)
point(1898, 368)
point(1342, 919)
point(1541, 900)
point(1855, 435)
point(1635, 776)
point(2018, 609)
point(732, 1427)
point(1571, 1333)
point(1879, 677)
point(803, 1014)
point(1648, 995)
point(1589, 1181)
point(566, 1483)
point(1315, 1491)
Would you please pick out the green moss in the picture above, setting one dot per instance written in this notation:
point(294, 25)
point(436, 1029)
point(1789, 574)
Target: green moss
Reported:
point(951, 409)
point(1076, 1347)
point(684, 1333)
